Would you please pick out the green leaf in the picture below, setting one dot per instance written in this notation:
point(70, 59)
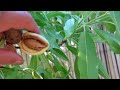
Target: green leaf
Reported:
point(102, 70)
point(99, 18)
point(111, 40)
point(95, 15)
point(69, 27)
point(77, 72)
point(58, 66)
point(117, 35)
point(96, 38)
point(77, 18)
point(110, 26)
point(33, 62)
point(54, 14)
point(45, 63)
point(40, 19)
point(53, 43)
point(104, 16)
point(40, 22)
point(58, 27)
point(87, 14)
point(36, 75)
point(51, 37)
point(12, 73)
point(59, 53)
point(72, 49)
point(115, 15)
point(87, 58)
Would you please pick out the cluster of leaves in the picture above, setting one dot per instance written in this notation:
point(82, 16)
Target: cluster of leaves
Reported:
point(78, 31)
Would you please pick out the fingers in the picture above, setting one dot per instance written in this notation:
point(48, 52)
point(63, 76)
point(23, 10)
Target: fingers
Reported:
point(9, 56)
point(18, 20)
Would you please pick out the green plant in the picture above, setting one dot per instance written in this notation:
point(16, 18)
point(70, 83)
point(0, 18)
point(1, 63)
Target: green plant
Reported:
point(73, 32)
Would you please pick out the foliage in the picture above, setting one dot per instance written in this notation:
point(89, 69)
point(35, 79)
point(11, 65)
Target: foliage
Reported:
point(76, 31)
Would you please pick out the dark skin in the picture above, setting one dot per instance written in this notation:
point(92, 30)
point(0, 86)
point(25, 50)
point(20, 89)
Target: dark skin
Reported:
point(13, 36)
